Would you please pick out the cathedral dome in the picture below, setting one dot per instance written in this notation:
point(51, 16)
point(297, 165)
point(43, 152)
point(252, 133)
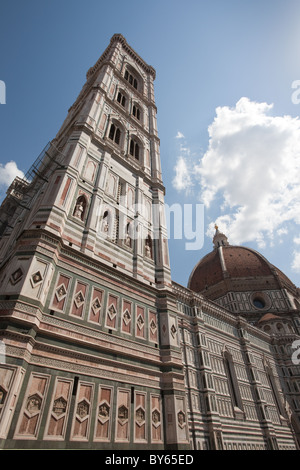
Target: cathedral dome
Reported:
point(235, 268)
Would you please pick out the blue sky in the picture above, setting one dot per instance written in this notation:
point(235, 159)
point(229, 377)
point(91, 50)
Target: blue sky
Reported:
point(227, 119)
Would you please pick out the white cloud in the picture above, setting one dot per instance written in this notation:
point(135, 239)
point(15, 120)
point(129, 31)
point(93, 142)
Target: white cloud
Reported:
point(251, 170)
point(296, 240)
point(179, 135)
point(182, 180)
point(7, 174)
point(296, 261)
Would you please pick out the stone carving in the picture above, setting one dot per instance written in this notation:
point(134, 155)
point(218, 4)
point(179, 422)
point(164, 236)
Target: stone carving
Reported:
point(33, 405)
point(96, 306)
point(140, 322)
point(103, 412)
point(173, 330)
point(59, 406)
point(122, 414)
point(83, 409)
point(60, 292)
point(148, 251)
point(16, 276)
point(104, 224)
point(153, 326)
point(79, 299)
point(36, 278)
point(128, 240)
point(126, 317)
point(78, 212)
point(181, 419)
point(112, 312)
point(140, 416)
point(155, 418)
point(148, 246)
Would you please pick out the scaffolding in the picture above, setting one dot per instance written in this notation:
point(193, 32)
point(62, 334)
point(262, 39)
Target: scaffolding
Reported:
point(43, 162)
point(40, 170)
point(21, 191)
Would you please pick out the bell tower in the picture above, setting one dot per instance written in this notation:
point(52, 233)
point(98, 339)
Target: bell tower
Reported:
point(88, 315)
point(104, 194)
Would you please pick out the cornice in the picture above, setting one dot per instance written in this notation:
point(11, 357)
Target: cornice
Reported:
point(129, 50)
point(65, 252)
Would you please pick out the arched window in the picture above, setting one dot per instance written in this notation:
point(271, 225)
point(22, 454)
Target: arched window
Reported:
point(136, 112)
point(121, 98)
point(115, 134)
point(131, 79)
point(134, 149)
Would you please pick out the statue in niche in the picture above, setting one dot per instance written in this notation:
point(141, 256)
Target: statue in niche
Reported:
point(148, 247)
point(128, 240)
point(128, 237)
point(105, 226)
point(80, 208)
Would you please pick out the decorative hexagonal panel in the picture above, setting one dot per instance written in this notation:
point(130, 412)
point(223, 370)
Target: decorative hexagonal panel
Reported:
point(122, 414)
point(59, 406)
point(33, 404)
point(83, 409)
point(103, 412)
point(156, 417)
point(140, 415)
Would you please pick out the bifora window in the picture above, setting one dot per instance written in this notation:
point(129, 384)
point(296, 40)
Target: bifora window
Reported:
point(134, 149)
point(131, 79)
point(121, 99)
point(136, 112)
point(115, 134)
